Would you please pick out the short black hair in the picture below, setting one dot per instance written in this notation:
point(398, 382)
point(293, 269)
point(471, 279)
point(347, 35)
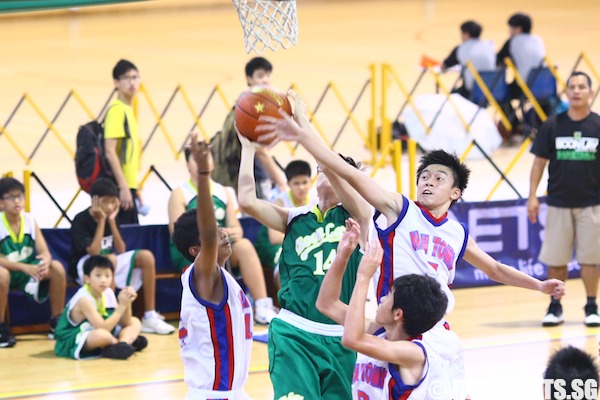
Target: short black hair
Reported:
point(8, 185)
point(122, 67)
point(257, 63)
point(186, 233)
point(422, 300)
point(297, 168)
point(97, 261)
point(460, 171)
point(580, 73)
point(104, 187)
point(520, 20)
point(472, 28)
point(570, 363)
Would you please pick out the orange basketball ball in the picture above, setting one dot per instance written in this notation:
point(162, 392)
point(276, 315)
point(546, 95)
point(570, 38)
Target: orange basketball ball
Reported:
point(257, 101)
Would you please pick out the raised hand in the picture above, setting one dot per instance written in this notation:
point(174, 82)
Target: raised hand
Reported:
point(201, 153)
point(127, 295)
point(371, 259)
point(350, 237)
point(96, 209)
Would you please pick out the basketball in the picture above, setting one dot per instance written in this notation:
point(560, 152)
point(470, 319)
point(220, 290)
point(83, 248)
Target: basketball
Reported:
point(257, 101)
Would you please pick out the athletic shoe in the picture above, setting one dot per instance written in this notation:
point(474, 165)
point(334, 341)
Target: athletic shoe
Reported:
point(119, 351)
point(140, 343)
point(554, 316)
point(264, 311)
point(155, 324)
point(6, 337)
point(52, 330)
point(591, 315)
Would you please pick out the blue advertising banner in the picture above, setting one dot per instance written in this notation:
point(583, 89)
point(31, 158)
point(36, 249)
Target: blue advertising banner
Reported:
point(502, 229)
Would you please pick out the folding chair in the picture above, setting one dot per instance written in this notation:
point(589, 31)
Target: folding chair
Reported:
point(496, 83)
point(543, 87)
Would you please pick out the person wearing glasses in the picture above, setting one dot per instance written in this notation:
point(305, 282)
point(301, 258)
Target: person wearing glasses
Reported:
point(121, 140)
point(25, 261)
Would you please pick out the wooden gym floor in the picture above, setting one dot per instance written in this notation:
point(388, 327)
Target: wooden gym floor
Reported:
point(199, 44)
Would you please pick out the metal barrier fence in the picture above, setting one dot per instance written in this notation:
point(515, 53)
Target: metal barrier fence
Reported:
point(373, 99)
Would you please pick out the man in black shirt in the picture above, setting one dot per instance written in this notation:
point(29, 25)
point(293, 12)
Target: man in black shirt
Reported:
point(570, 142)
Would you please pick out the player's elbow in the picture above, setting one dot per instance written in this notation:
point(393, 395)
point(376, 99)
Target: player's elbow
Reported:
point(321, 305)
point(350, 340)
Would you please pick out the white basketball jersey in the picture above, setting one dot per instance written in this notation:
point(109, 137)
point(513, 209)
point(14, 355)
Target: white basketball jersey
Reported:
point(379, 380)
point(215, 339)
point(418, 243)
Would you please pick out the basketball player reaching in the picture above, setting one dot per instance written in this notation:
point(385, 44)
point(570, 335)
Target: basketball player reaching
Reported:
point(215, 331)
point(418, 237)
point(306, 356)
point(393, 362)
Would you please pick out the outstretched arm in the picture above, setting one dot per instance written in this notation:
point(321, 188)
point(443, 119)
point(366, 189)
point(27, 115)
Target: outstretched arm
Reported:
point(285, 128)
point(510, 276)
point(328, 301)
point(266, 213)
point(206, 272)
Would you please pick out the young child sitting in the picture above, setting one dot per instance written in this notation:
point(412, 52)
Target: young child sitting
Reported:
point(95, 322)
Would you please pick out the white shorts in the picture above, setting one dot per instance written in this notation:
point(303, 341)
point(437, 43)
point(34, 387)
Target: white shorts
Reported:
point(125, 274)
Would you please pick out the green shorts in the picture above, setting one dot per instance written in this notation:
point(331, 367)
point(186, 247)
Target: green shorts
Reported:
point(307, 364)
point(37, 290)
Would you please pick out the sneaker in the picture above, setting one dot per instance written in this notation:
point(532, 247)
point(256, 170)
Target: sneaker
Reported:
point(52, 330)
point(6, 337)
point(264, 311)
point(140, 343)
point(554, 316)
point(155, 324)
point(591, 315)
point(119, 351)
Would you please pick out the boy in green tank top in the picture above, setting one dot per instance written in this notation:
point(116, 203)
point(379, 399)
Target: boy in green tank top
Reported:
point(301, 338)
point(25, 261)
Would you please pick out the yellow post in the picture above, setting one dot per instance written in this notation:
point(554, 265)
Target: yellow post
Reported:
point(397, 163)
point(27, 184)
point(412, 168)
point(371, 123)
point(385, 135)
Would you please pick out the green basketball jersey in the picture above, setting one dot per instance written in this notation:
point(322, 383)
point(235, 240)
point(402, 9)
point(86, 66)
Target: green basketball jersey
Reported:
point(309, 248)
point(19, 246)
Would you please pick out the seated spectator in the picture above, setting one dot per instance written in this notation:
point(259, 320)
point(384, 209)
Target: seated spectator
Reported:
point(96, 231)
point(244, 257)
point(268, 241)
point(526, 52)
point(569, 364)
point(97, 323)
point(525, 49)
point(25, 261)
point(480, 53)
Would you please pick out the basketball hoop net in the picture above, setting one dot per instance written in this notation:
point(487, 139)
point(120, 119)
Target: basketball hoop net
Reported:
point(267, 23)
